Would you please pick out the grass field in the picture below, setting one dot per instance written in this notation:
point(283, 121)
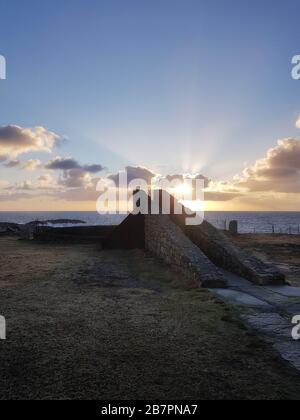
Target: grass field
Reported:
point(89, 324)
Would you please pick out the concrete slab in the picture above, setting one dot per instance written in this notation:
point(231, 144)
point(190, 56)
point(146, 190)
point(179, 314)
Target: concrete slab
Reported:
point(271, 303)
point(271, 325)
point(280, 297)
point(241, 298)
point(235, 281)
point(287, 291)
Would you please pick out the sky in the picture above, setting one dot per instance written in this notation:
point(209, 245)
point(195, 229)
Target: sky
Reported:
point(165, 87)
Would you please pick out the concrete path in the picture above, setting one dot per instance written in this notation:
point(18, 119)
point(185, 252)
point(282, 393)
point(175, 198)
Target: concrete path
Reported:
point(268, 310)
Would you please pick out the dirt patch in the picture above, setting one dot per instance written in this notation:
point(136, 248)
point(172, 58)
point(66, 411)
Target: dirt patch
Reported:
point(89, 324)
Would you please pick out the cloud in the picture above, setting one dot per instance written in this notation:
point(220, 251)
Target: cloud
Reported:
point(183, 177)
point(46, 181)
point(221, 196)
point(139, 172)
point(279, 171)
point(298, 122)
point(277, 174)
point(75, 178)
point(25, 185)
point(93, 169)
point(12, 196)
point(207, 181)
point(177, 177)
point(29, 165)
point(12, 163)
point(83, 193)
point(15, 140)
point(3, 184)
point(133, 173)
point(74, 174)
point(75, 182)
point(81, 186)
point(65, 164)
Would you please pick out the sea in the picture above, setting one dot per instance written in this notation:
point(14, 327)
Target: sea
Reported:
point(249, 222)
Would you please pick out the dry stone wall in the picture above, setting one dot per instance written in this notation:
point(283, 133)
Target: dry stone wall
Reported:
point(168, 242)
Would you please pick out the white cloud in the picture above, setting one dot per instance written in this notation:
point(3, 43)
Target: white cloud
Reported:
point(3, 184)
point(31, 164)
point(47, 181)
point(15, 140)
point(279, 171)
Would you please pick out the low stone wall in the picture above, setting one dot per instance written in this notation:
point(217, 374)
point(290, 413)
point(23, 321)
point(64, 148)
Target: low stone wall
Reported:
point(168, 242)
point(75, 234)
point(224, 253)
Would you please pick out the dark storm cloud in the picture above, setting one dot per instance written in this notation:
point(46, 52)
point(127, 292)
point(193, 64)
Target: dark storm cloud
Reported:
point(66, 164)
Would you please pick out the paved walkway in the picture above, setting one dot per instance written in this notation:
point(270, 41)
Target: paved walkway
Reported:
point(269, 311)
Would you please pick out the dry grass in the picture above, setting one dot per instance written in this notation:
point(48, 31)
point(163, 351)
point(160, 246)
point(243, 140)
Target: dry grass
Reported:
point(88, 324)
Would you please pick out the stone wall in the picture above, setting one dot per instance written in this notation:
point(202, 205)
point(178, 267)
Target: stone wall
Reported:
point(224, 253)
point(168, 242)
point(76, 234)
point(128, 235)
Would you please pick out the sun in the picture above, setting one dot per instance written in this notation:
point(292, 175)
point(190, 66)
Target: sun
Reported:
point(183, 190)
point(184, 193)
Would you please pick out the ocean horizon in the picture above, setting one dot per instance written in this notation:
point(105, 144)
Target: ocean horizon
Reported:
point(249, 221)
